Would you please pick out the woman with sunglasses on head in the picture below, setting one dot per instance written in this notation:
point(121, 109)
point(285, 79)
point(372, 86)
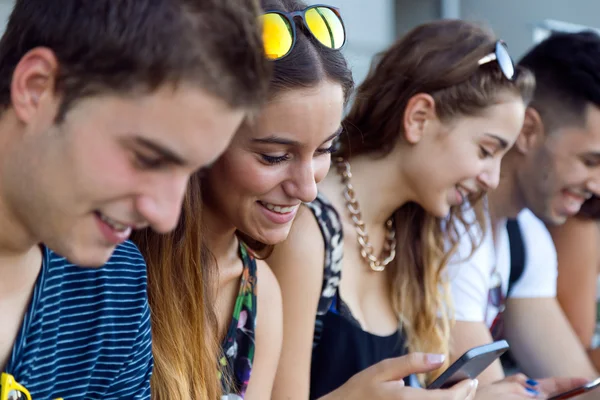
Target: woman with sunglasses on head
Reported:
point(362, 272)
point(244, 202)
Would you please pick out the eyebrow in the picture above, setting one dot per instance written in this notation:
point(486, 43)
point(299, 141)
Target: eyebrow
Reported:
point(502, 142)
point(288, 142)
point(167, 154)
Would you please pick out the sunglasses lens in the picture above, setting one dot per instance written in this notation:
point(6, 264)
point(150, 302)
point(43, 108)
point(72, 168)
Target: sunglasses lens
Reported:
point(506, 63)
point(15, 395)
point(326, 26)
point(277, 35)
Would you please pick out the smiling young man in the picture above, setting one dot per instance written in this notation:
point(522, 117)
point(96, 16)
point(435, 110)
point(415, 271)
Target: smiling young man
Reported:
point(553, 167)
point(107, 107)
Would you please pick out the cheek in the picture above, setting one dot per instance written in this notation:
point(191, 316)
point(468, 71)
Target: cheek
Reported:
point(322, 168)
point(247, 176)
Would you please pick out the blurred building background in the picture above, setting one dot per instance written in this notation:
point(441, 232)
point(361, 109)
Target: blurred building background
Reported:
point(373, 24)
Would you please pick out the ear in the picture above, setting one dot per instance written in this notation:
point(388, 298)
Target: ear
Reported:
point(33, 79)
point(532, 133)
point(419, 110)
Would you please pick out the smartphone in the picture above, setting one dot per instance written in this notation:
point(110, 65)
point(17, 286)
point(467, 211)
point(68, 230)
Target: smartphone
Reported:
point(470, 365)
point(576, 392)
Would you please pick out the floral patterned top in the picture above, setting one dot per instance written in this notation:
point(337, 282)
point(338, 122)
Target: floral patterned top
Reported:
point(238, 346)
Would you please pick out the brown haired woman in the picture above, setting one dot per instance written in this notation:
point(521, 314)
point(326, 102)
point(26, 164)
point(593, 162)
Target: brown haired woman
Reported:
point(249, 199)
point(362, 272)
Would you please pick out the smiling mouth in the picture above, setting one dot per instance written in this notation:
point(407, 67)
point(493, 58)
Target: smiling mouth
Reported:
point(115, 225)
point(278, 209)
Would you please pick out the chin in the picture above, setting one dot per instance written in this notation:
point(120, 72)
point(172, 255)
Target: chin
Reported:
point(554, 219)
point(273, 236)
point(441, 210)
point(85, 256)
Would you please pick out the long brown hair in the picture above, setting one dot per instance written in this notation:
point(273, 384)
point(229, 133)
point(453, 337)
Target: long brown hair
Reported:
point(439, 58)
point(184, 339)
point(181, 271)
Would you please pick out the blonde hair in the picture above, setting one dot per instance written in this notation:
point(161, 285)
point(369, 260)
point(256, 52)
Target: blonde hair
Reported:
point(181, 283)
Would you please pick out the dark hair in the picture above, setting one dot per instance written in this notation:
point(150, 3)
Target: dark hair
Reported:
point(441, 59)
point(590, 209)
point(126, 45)
point(309, 62)
point(567, 73)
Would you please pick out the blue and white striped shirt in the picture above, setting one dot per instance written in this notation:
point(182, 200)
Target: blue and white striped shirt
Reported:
point(86, 334)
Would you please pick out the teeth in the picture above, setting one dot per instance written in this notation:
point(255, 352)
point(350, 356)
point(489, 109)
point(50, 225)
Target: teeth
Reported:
point(278, 209)
point(117, 226)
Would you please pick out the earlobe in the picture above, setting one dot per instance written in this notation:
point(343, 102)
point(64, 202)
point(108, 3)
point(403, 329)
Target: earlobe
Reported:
point(532, 132)
point(419, 110)
point(33, 78)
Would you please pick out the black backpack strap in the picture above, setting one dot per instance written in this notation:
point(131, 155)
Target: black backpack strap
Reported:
point(517, 253)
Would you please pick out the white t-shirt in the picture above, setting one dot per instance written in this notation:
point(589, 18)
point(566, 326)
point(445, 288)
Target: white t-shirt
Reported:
point(470, 278)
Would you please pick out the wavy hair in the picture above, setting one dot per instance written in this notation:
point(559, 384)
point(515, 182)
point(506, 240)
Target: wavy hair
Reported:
point(441, 59)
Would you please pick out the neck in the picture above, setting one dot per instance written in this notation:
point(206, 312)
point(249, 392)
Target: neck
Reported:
point(379, 187)
point(219, 235)
point(15, 238)
point(507, 200)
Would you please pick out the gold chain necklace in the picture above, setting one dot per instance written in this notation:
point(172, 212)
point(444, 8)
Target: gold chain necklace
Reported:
point(366, 249)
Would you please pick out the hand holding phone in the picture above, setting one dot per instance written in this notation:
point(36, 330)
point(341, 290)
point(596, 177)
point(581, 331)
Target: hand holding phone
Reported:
point(577, 391)
point(471, 364)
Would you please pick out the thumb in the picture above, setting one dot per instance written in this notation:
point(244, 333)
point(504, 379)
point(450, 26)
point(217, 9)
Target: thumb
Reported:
point(465, 389)
point(394, 369)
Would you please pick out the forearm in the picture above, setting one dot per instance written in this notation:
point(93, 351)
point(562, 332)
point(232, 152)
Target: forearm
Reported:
point(594, 355)
point(543, 342)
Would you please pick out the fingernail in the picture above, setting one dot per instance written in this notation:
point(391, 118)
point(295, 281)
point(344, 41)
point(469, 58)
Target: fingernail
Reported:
point(532, 391)
point(474, 384)
point(435, 358)
point(532, 382)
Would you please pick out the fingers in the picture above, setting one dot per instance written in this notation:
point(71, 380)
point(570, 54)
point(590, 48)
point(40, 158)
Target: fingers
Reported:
point(394, 369)
point(527, 386)
point(558, 385)
point(464, 390)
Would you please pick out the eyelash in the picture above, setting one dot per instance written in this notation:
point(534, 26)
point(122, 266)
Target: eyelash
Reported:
point(276, 160)
point(484, 153)
point(144, 162)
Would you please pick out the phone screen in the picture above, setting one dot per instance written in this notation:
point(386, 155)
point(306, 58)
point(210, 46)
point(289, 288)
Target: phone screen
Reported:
point(470, 365)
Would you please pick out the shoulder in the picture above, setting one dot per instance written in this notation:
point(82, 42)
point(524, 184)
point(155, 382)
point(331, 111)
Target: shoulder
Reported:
point(536, 237)
point(267, 285)
point(304, 245)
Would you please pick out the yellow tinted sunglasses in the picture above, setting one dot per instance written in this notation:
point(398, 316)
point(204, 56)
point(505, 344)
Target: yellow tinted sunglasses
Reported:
point(322, 21)
point(10, 389)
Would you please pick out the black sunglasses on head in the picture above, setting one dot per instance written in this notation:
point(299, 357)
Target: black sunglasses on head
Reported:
point(502, 57)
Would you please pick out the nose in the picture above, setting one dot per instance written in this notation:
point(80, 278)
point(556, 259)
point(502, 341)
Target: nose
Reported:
point(160, 205)
point(593, 185)
point(301, 184)
point(490, 177)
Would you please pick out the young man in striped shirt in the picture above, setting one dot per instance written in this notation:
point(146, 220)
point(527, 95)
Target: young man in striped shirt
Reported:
point(106, 108)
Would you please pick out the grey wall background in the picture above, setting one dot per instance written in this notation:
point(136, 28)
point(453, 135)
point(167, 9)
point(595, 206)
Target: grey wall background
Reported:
point(370, 26)
point(512, 20)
